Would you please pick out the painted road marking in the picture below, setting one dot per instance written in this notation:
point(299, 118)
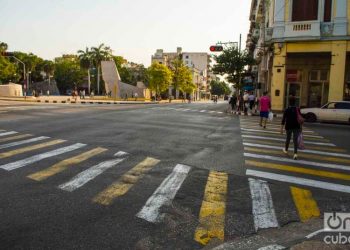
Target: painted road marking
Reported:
point(213, 209)
point(276, 129)
point(282, 136)
point(301, 155)
point(299, 181)
point(123, 185)
point(298, 170)
point(30, 148)
point(63, 165)
point(310, 163)
point(305, 150)
point(22, 163)
point(89, 174)
point(120, 154)
point(17, 143)
point(273, 132)
point(305, 204)
point(283, 140)
point(332, 149)
point(164, 194)
point(272, 247)
point(12, 138)
point(202, 111)
point(263, 211)
point(8, 133)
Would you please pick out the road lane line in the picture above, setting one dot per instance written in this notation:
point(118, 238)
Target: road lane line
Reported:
point(35, 158)
point(263, 210)
point(272, 247)
point(202, 111)
point(278, 133)
point(12, 138)
point(305, 204)
point(298, 170)
point(299, 181)
point(63, 165)
point(120, 154)
point(288, 160)
point(213, 209)
point(301, 155)
point(17, 143)
point(89, 174)
point(8, 133)
point(290, 149)
point(283, 140)
point(164, 194)
point(126, 182)
point(30, 148)
point(277, 129)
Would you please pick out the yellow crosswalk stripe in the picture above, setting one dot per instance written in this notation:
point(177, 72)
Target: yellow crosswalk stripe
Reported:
point(281, 144)
point(298, 170)
point(300, 154)
point(306, 137)
point(305, 204)
point(213, 209)
point(63, 165)
point(123, 185)
point(29, 148)
point(12, 138)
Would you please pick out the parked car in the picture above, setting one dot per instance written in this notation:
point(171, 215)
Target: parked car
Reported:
point(332, 111)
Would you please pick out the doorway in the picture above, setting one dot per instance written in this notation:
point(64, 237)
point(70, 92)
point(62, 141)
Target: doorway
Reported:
point(318, 94)
point(293, 89)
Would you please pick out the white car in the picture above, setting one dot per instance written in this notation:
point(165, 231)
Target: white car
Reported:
point(332, 111)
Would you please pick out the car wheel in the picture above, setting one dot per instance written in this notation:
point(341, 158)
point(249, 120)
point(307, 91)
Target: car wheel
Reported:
point(311, 117)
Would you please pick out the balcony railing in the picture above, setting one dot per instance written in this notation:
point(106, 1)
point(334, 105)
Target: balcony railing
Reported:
point(302, 29)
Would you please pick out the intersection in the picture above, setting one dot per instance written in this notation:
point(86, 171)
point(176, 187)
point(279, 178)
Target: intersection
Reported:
point(159, 176)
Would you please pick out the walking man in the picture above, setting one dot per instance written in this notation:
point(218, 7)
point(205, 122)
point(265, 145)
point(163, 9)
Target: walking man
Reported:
point(265, 106)
point(251, 99)
point(233, 101)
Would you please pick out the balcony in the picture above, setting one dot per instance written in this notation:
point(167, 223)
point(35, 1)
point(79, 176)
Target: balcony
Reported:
point(303, 29)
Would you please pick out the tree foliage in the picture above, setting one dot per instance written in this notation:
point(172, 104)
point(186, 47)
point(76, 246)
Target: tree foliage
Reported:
point(219, 88)
point(231, 63)
point(182, 76)
point(159, 77)
point(68, 75)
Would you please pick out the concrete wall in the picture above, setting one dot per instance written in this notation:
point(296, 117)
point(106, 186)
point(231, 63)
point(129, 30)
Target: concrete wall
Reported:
point(11, 89)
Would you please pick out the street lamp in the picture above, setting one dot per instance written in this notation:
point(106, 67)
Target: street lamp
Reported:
point(28, 76)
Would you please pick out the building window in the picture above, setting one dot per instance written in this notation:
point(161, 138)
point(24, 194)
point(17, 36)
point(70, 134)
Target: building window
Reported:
point(327, 10)
point(186, 57)
point(304, 10)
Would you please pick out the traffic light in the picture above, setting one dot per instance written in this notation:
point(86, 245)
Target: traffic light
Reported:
point(4, 53)
point(216, 48)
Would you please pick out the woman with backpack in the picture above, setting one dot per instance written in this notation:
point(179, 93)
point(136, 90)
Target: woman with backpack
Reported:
point(292, 122)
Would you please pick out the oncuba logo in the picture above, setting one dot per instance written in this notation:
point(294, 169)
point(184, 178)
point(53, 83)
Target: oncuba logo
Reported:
point(337, 222)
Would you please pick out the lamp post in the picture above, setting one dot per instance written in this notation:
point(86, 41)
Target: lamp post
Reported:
point(28, 76)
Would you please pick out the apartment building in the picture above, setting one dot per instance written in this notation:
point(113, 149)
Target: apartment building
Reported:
point(198, 62)
point(302, 49)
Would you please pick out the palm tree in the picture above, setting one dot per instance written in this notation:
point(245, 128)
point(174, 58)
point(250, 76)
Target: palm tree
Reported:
point(99, 54)
point(85, 58)
point(3, 46)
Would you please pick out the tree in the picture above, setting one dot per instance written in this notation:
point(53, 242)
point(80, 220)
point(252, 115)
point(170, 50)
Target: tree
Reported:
point(231, 62)
point(159, 77)
point(85, 63)
point(3, 46)
point(219, 88)
point(99, 54)
point(68, 75)
point(7, 69)
point(181, 75)
point(187, 86)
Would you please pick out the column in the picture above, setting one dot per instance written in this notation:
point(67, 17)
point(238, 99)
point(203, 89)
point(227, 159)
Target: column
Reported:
point(337, 74)
point(340, 20)
point(278, 29)
point(278, 77)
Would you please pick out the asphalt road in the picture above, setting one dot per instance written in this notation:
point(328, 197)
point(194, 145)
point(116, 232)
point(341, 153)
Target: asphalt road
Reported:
point(170, 176)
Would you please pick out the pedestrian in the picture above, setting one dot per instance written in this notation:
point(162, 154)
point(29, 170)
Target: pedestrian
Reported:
point(233, 102)
point(246, 102)
point(251, 99)
point(265, 107)
point(83, 93)
point(292, 125)
point(48, 92)
point(136, 95)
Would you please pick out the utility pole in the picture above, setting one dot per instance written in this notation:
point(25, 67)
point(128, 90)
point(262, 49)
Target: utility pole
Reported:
point(240, 42)
point(263, 30)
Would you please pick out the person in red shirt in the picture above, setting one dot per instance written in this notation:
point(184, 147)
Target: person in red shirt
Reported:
point(265, 106)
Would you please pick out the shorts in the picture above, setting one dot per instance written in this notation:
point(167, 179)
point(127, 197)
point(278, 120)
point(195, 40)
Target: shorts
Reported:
point(264, 114)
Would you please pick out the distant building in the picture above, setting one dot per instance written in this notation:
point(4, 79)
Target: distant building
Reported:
point(198, 62)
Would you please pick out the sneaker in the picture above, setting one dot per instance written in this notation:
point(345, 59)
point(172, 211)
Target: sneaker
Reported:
point(295, 157)
point(285, 151)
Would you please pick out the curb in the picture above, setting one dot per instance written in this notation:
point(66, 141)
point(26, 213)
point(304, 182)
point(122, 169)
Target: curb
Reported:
point(81, 102)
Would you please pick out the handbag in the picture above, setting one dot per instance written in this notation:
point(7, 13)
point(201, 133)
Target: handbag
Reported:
point(270, 116)
point(301, 145)
point(299, 117)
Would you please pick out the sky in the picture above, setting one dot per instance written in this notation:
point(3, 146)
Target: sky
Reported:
point(133, 29)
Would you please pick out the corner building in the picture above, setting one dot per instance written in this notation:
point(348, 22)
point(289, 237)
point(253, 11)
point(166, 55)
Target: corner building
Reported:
point(303, 49)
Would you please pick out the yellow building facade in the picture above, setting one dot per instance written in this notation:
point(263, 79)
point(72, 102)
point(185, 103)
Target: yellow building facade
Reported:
point(303, 49)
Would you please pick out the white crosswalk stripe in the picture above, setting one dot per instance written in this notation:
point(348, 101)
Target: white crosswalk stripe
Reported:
point(8, 133)
point(275, 132)
point(283, 140)
point(39, 157)
point(17, 143)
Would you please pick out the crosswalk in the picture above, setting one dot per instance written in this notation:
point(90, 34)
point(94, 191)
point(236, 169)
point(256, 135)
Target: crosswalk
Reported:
point(264, 161)
point(192, 110)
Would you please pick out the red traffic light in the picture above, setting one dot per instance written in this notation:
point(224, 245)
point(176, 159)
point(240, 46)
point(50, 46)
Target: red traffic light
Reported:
point(4, 53)
point(216, 48)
